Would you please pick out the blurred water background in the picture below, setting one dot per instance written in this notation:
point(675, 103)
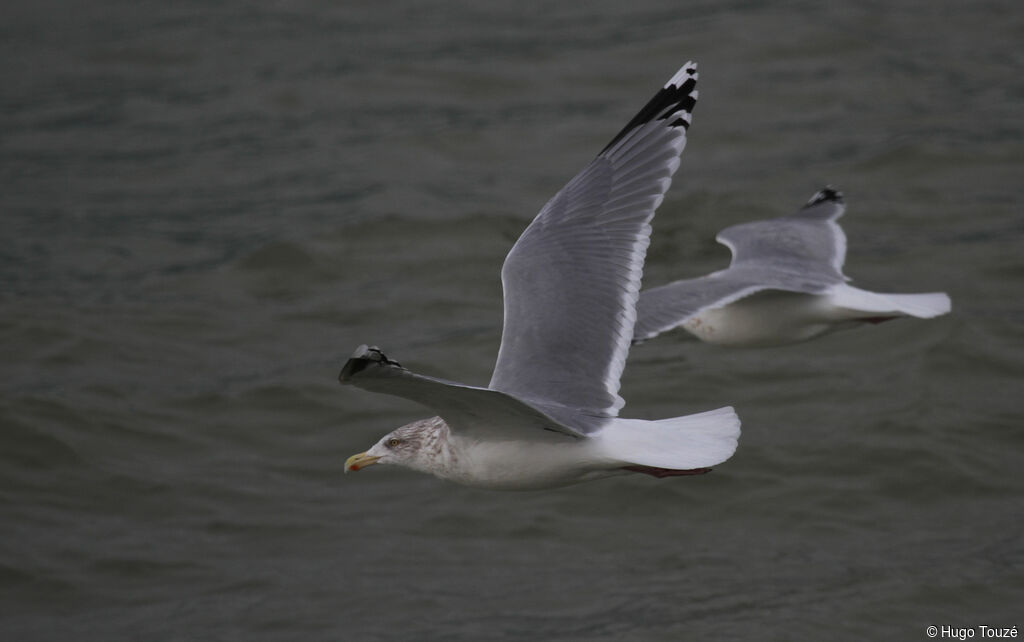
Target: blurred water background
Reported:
point(207, 206)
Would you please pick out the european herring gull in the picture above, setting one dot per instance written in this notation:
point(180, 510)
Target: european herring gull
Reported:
point(785, 284)
point(549, 416)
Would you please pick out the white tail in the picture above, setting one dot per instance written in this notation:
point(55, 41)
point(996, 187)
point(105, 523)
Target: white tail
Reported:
point(680, 443)
point(922, 306)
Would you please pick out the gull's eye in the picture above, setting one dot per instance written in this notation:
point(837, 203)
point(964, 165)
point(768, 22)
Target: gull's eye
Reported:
point(394, 441)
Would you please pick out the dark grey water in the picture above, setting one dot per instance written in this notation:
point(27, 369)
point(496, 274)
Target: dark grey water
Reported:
point(206, 207)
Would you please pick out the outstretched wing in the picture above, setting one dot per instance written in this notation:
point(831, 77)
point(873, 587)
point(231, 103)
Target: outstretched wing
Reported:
point(807, 242)
point(667, 306)
point(464, 408)
point(802, 252)
point(572, 279)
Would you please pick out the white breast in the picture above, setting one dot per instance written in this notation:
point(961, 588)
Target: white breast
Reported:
point(764, 319)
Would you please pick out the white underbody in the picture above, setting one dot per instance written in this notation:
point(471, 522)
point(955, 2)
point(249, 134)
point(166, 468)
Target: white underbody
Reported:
point(526, 465)
point(766, 318)
point(776, 317)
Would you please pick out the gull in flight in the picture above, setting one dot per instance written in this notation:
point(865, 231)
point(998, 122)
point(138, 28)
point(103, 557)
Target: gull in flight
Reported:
point(549, 416)
point(785, 284)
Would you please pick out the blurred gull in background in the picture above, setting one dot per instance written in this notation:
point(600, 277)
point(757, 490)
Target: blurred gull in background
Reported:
point(785, 284)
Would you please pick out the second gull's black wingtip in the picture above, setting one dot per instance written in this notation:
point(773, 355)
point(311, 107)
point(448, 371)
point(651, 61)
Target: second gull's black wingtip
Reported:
point(827, 194)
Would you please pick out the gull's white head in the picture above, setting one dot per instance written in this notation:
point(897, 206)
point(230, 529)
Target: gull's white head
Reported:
point(417, 445)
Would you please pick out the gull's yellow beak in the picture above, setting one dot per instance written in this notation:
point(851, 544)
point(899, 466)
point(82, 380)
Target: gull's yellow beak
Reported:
point(360, 461)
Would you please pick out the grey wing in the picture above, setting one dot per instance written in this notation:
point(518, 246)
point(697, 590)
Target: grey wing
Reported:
point(572, 279)
point(464, 408)
point(665, 307)
point(802, 252)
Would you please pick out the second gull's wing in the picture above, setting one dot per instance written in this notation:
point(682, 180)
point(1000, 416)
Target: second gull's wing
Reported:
point(802, 252)
point(667, 306)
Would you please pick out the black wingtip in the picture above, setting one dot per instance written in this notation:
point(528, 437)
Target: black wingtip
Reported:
point(827, 194)
point(363, 357)
point(676, 99)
